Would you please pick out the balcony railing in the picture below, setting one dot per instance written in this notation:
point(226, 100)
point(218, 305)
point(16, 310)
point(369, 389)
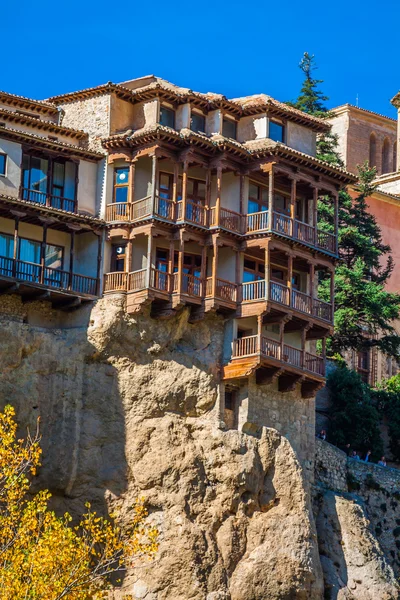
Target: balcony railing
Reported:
point(270, 348)
point(228, 219)
point(49, 200)
point(160, 280)
point(256, 290)
point(196, 213)
point(22, 270)
point(224, 290)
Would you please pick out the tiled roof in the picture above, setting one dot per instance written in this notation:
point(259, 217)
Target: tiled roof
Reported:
point(364, 110)
point(247, 151)
point(21, 136)
point(208, 101)
point(56, 211)
point(41, 105)
point(396, 100)
point(41, 124)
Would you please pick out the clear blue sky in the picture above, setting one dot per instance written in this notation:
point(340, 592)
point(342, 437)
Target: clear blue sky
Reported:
point(235, 48)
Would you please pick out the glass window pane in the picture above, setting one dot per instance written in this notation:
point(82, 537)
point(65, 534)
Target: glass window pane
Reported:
point(253, 207)
point(248, 276)
point(6, 245)
point(229, 128)
point(197, 122)
point(53, 257)
point(70, 180)
point(264, 195)
point(190, 187)
point(167, 117)
point(121, 194)
point(29, 251)
point(276, 131)
point(201, 190)
point(3, 164)
point(253, 191)
point(39, 168)
point(121, 176)
point(58, 174)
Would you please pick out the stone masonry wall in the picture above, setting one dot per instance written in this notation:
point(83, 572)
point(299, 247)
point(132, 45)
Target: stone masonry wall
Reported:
point(330, 466)
point(91, 115)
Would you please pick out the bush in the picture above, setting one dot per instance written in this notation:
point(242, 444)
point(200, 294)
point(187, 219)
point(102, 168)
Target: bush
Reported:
point(388, 400)
point(354, 416)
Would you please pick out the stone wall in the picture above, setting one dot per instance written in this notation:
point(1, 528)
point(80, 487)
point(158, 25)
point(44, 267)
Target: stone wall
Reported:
point(330, 466)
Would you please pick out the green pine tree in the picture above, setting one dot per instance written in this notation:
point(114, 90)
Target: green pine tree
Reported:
point(364, 309)
point(312, 101)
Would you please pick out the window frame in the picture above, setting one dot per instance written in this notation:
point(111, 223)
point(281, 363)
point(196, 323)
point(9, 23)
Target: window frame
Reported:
point(231, 121)
point(199, 115)
point(31, 153)
point(195, 198)
point(281, 124)
point(171, 110)
point(28, 239)
point(5, 156)
point(259, 201)
point(120, 185)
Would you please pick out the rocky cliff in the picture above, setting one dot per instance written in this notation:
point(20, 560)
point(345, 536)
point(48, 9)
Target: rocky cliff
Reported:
point(130, 406)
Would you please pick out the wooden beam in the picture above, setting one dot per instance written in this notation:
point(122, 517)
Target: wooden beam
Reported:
point(293, 193)
point(43, 253)
point(184, 188)
point(71, 259)
point(218, 200)
point(180, 263)
point(149, 258)
point(154, 183)
point(214, 265)
point(315, 212)
point(131, 189)
point(270, 196)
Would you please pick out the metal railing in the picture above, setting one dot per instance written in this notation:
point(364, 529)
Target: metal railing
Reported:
point(22, 270)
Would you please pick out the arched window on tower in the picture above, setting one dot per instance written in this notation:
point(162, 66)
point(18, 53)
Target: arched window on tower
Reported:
point(394, 169)
point(386, 156)
point(372, 150)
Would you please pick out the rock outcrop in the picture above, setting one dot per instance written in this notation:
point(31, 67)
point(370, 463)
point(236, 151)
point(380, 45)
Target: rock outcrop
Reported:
point(129, 407)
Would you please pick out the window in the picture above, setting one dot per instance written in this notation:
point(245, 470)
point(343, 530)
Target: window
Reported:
point(229, 128)
point(385, 156)
point(258, 199)
point(276, 131)
point(197, 122)
point(42, 177)
point(118, 255)
point(6, 245)
point(3, 164)
point(253, 270)
point(282, 204)
point(372, 150)
point(162, 260)
point(167, 117)
point(363, 361)
point(121, 181)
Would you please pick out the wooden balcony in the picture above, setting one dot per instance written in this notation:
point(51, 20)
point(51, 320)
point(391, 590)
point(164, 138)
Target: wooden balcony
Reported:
point(220, 296)
point(273, 359)
point(32, 281)
point(260, 292)
point(50, 200)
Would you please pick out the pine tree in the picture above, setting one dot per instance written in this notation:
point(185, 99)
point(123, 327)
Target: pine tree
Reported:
point(312, 101)
point(364, 309)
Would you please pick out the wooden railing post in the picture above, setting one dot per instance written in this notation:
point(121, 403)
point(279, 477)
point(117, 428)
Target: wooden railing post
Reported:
point(315, 214)
point(184, 188)
point(282, 338)
point(218, 201)
point(312, 285)
point(71, 259)
point(290, 278)
point(149, 258)
point(208, 197)
point(171, 258)
point(180, 264)
point(154, 183)
point(100, 240)
point(214, 266)
point(15, 249)
point(270, 196)
point(43, 253)
point(336, 221)
point(259, 333)
point(131, 189)
point(266, 271)
point(203, 269)
point(293, 194)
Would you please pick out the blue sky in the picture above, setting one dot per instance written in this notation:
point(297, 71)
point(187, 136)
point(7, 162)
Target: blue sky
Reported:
point(235, 48)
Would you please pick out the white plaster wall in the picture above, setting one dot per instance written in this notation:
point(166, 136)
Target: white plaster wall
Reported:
point(301, 138)
point(139, 253)
point(182, 117)
point(293, 338)
point(143, 181)
point(107, 250)
point(87, 187)
point(390, 187)
point(226, 264)
point(214, 122)
point(230, 191)
point(85, 256)
point(340, 127)
point(103, 196)
point(9, 184)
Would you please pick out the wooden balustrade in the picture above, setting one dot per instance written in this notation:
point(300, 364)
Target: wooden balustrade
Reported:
point(118, 211)
point(27, 271)
point(270, 347)
point(301, 301)
point(304, 232)
point(257, 221)
point(160, 280)
point(175, 282)
point(245, 346)
point(293, 356)
point(6, 266)
point(84, 284)
point(315, 364)
point(115, 282)
point(56, 278)
point(191, 285)
point(326, 241)
point(322, 310)
point(137, 280)
point(225, 290)
point(52, 200)
point(253, 290)
point(282, 224)
point(141, 209)
point(164, 208)
point(230, 220)
point(279, 293)
point(196, 213)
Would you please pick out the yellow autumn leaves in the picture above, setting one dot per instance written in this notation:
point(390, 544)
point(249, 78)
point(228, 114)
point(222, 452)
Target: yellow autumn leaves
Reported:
point(44, 557)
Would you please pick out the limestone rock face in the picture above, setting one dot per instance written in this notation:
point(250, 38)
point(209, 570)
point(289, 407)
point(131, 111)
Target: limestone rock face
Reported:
point(129, 407)
point(353, 562)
